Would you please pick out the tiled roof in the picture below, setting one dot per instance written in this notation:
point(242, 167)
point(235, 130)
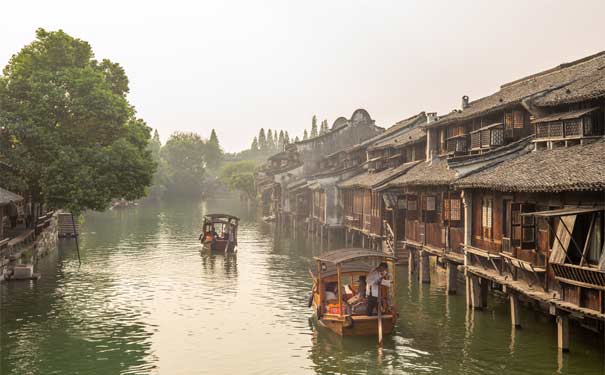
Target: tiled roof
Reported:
point(369, 180)
point(571, 168)
point(408, 137)
point(579, 75)
point(585, 88)
point(431, 173)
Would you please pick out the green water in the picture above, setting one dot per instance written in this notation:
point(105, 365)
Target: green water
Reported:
point(145, 301)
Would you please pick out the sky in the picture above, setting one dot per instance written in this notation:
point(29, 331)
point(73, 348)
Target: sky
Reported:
point(237, 66)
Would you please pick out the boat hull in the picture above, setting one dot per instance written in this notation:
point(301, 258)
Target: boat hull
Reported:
point(358, 325)
point(219, 245)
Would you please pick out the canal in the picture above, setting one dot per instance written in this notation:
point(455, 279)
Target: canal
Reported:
point(145, 301)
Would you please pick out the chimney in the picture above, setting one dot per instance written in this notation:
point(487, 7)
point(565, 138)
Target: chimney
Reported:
point(431, 117)
point(464, 102)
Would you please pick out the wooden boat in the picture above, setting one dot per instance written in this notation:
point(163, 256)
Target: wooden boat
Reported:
point(219, 232)
point(347, 315)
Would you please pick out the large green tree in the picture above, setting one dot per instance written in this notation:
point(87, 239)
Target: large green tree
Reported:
point(73, 140)
point(185, 161)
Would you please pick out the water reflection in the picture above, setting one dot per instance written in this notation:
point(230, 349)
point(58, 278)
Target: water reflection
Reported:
point(146, 300)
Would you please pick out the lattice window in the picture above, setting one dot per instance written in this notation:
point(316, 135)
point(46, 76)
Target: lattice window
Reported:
point(518, 119)
point(486, 217)
point(572, 127)
point(476, 140)
point(497, 137)
point(485, 138)
point(461, 145)
point(455, 211)
point(508, 120)
point(542, 130)
point(556, 129)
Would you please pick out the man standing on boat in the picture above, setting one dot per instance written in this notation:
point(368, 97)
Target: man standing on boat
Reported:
point(374, 280)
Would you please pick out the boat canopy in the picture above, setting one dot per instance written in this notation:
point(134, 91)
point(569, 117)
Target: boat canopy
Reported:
point(351, 254)
point(214, 217)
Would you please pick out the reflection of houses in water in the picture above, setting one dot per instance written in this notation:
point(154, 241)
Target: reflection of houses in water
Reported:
point(509, 188)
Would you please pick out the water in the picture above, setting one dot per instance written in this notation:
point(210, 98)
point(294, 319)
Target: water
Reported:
point(144, 301)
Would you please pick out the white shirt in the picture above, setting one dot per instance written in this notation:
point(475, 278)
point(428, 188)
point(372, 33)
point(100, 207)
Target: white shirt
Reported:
point(373, 281)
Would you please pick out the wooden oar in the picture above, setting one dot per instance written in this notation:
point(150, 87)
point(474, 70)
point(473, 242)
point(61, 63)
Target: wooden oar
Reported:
point(379, 308)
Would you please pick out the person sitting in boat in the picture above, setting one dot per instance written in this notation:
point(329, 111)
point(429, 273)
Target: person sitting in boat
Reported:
point(331, 295)
point(374, 280)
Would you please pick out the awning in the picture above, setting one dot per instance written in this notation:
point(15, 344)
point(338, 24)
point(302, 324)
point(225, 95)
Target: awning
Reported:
point(347, 255)
point(565, 211)
point(7, 196)
point(564, 115)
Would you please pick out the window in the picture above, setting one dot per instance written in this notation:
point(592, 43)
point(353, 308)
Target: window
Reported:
point(518, 119)
point(508, 120)
point(486, 217)
point(412, 206)
point(430, 203)
point(455, 212)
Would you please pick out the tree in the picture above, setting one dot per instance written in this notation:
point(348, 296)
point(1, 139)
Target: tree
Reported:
point(281, 141)
point(314, 126)
point(75, 141)
point(213, 152)
point(305, 135)
point(239, 176)
point(270, 141)
point(262, 140)
point(324, 127)
point(254, 146)
point(184, 157)
point(296, 139)
point(286, 138)
point(275, 140)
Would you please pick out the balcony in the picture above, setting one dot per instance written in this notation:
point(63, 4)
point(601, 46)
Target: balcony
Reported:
point(457, 144)
point(568, 125)
point(490, 136)
point(579, 276)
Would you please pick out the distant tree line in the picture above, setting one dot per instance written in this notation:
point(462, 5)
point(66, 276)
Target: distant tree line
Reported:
point(187, 164)
point(270, 142)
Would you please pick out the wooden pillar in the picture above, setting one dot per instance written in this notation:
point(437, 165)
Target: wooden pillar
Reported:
point(563, 331)
point(484, 292)
point(425, 276)
point(328, 235)
point(411, 262)
point(514, 309)
point(363, 241)
point(346, 238)
point(452, 277)
point(475, 291)
point(321, 237)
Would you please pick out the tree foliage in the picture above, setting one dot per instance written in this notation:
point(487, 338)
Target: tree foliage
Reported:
point(73, 140)
point(239, 176)
point(184, 159)
point(314, 132)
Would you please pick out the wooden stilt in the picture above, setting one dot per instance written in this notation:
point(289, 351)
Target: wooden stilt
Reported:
point(475, 295)
point(425, 268)
point(484, 292)
point(514, 309)
point(452, 277)
point(563, 331)
point(411, 262)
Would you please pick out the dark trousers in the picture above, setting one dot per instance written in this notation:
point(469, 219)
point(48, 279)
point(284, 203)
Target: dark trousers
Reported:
point(372, 303)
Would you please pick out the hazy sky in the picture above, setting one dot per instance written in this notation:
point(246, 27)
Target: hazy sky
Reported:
point(239, 66)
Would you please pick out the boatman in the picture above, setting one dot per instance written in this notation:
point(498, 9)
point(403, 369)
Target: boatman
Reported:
point(374, 280)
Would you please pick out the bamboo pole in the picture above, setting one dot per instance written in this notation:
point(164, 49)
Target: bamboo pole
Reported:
point(338, 269)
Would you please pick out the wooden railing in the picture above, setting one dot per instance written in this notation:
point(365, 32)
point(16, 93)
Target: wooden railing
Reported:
point(570, 273)
point(434, 235)
point(413, 230)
